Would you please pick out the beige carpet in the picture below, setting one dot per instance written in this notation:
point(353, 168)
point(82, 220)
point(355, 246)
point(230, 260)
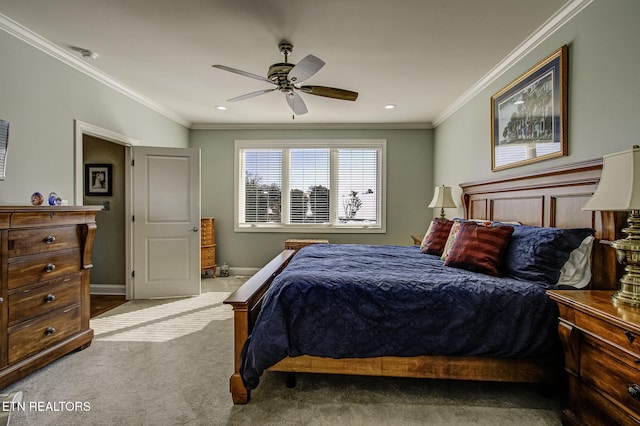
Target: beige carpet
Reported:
point(168, 363)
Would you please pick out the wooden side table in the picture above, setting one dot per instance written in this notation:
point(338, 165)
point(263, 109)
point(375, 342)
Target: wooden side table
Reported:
point(298, 244)
point(602, 357)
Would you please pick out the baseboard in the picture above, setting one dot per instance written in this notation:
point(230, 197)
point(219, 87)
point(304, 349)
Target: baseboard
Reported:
point(108, 289)
point(247, 272)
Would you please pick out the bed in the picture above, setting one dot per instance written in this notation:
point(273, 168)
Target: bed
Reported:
point(550, 198)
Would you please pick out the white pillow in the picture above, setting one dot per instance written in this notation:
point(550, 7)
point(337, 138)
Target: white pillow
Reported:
point(577, 271)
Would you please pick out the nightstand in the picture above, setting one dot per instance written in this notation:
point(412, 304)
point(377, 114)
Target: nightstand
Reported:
point(602, 357)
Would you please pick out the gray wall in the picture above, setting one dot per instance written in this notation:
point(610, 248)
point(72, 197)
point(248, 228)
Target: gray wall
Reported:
point(604, 93)
point(40, 97)
point(409, 190)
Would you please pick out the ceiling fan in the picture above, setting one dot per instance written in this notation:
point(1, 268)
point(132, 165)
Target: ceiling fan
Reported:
point(288, 79)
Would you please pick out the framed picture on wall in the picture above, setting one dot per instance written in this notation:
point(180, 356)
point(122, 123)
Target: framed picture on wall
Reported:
point(529, 116)
point(98, 179)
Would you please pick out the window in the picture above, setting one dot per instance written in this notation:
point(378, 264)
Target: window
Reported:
point(310, 186)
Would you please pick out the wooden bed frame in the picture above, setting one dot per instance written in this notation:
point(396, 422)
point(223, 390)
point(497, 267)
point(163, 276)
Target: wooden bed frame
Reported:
point(551, 197)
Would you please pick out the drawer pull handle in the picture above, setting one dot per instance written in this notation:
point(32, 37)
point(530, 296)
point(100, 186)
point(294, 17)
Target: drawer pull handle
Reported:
point(50, 330)
point(630, 336)
point(50, 239)
point(50, 267)
point(49, 298)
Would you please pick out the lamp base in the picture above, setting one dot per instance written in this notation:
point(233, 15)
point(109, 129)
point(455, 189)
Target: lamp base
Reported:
point(628, 253)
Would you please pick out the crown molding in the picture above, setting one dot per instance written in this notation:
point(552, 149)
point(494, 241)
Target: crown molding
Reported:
point(564, 15)
point(311, 126)
point(26, 35)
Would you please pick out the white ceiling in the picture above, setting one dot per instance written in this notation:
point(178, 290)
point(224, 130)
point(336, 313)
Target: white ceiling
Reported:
point(422, 55)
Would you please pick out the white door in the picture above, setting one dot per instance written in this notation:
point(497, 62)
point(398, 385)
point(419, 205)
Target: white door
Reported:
point(166, 222)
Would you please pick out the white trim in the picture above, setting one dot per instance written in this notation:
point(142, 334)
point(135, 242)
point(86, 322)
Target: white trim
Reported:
point(311, 126)
point(82, 128)
point(564, 15)
point(23, 33)
point(107, 289)
point(241, 271)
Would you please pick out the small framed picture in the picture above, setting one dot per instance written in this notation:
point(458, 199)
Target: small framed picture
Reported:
point(98, 179)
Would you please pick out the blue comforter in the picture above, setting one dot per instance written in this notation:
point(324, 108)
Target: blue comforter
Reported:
point(353, 301)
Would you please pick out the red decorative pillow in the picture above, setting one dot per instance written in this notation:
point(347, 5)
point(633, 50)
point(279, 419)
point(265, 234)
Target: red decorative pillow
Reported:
point(479, 248)
point(436, 236)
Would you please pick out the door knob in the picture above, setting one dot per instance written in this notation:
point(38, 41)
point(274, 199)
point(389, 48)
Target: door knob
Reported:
point(194, 229)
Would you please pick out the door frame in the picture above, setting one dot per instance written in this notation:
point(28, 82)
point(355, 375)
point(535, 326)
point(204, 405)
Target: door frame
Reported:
point(81, 129)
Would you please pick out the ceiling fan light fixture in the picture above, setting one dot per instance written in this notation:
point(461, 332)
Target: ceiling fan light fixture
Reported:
point(288, 78)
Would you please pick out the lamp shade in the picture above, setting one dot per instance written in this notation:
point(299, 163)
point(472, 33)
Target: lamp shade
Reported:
point(619, 186)
point(442, 197)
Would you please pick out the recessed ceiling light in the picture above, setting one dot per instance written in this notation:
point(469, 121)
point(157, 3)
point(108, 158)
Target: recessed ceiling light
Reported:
point(89, 55)
point(389, 106)
point(221, 107)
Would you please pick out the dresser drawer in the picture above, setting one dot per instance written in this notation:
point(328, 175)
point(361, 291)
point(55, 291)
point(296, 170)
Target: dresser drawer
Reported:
point(611, 373)
point(34, 269)
point(207, 232)
point(50, 218)
point(42, 240)
point(34, 336)
point(40, 299)
point(616, 335)
point(207, 256)
point(591, 408)
point(206, 238)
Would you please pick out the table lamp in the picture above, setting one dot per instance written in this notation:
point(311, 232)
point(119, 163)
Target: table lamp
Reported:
point(442, 198)
point(619, 190)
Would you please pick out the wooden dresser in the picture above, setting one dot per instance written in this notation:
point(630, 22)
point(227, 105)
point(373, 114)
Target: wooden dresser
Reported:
point(45, 259)
point(602, 358)
point(208, 245)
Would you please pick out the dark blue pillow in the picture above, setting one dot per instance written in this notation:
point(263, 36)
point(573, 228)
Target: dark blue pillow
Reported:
point(538, 254)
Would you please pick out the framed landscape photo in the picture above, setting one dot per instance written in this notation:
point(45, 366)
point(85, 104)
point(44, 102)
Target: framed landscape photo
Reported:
point(529, 116)
point(98, 179)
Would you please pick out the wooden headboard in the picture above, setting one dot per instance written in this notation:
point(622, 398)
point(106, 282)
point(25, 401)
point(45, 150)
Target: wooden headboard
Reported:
point(552, 197)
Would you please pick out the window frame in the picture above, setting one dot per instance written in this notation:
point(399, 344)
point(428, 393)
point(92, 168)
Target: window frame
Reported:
point(378, 144)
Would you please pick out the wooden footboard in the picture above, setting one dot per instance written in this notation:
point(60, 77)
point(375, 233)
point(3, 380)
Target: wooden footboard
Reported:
point(430, 367)
point(246, 302)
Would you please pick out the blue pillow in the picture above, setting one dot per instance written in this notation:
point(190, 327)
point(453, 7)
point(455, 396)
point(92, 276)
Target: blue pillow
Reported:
point(538, 254)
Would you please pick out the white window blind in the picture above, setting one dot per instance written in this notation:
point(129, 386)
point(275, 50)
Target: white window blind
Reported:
point(262, 185)
point(311, 186)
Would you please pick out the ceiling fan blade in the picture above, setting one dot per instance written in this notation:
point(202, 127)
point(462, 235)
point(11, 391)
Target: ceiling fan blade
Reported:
point(296, 103)
point(304, 69)
point(330, 92)
point(244, 73)
point(251, 95)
